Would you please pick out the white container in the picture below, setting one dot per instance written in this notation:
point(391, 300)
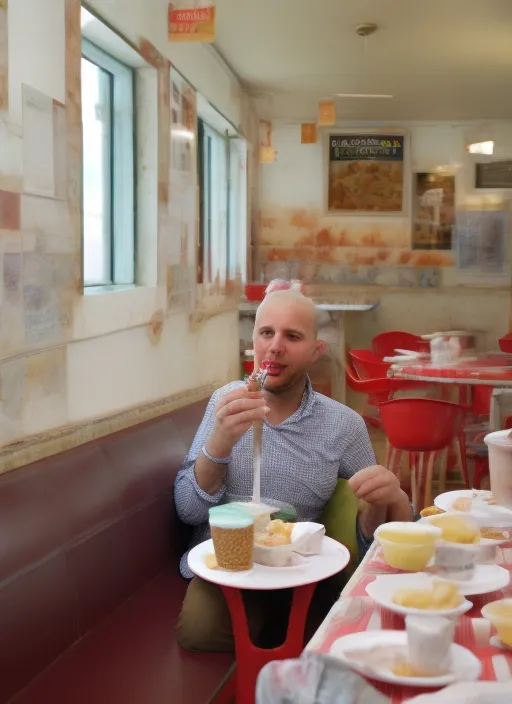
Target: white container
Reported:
point(429, 640)
point(500, 466)
point(260, 513)
point(277, 556)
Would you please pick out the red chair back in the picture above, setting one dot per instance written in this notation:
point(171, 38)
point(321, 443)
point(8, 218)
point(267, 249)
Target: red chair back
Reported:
point(387, 343)
point(505, 343)
point(368, 365)
point(421, 424)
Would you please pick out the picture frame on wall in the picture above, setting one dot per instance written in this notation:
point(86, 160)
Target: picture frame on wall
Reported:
point(433, 219)
point(366, 172)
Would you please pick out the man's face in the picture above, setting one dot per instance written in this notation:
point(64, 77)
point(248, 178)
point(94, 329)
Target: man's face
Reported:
point(285, 344)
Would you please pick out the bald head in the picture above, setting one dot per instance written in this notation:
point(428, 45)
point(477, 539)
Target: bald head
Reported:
point(295, 302)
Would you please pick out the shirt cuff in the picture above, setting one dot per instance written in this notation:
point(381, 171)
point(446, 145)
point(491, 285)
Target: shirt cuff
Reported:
point(210, 498)
point(363, 543)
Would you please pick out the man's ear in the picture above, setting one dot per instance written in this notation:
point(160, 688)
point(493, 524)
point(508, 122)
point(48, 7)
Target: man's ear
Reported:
point(320, 350)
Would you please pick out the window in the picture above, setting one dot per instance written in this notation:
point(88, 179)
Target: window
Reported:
point(222, 164)
point(108, 129)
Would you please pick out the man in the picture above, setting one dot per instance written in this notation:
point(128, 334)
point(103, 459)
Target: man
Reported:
point(309, 441)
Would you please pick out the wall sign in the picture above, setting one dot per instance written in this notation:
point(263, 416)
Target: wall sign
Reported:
point(494, 174)
point(365, 173)
point(191, 21)
point(434, 211)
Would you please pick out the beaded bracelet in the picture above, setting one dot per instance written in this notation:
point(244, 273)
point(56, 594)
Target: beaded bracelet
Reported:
point(215, 460)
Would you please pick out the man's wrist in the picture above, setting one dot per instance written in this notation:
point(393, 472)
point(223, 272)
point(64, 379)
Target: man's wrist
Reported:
point(217, 449)
point(400, 509)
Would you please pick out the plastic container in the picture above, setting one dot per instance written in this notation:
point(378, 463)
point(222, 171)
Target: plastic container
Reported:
point(232, 531)
point(499, 613)
point(260, 513)
point(455, 561)
point(457, 528)
point(248, 363)
point(429, 640)
point(408, 546)
point(500, 466)
point(277, 556)
point(255, 292)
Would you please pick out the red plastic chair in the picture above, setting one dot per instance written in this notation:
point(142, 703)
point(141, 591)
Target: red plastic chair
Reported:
point(369, 365)
point(377, 391)
point(386, 343)
point(505, 343)
point(420, 426)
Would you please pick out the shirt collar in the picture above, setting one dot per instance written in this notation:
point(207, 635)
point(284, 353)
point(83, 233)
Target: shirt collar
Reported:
point(306, 406)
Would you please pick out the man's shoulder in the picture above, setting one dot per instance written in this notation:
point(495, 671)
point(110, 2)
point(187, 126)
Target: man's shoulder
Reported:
point(336, 410)
point(230, 386)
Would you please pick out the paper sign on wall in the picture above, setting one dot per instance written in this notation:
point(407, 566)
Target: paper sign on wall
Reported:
point(268, 155)
point(326, 113)
point(191, 21)
point(308, 133)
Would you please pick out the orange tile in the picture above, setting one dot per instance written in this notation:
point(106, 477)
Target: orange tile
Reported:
point(9, 211)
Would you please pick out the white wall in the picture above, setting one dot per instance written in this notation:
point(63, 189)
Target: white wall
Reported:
point(107, 362)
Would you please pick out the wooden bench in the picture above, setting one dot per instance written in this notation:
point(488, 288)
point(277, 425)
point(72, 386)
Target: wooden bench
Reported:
point(89, 586)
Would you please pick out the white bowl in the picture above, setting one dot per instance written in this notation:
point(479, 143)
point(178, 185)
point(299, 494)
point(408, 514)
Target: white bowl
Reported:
point(277, 556)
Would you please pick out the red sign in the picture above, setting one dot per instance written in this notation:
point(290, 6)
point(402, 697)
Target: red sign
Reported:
point(193, 24)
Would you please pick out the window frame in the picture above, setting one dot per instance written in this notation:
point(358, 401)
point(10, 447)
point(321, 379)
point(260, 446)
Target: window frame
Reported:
point(219, 251)
point(123, 167)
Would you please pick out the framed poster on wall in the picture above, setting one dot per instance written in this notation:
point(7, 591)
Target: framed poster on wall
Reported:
point(433, 211)
point(366, 173)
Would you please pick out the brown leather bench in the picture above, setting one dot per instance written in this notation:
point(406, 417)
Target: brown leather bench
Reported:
point(89, 586)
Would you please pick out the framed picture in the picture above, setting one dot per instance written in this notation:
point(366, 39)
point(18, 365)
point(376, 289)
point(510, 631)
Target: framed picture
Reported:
point(366, 172)
point(481, 241)
point(433, 211)
point(494, 174)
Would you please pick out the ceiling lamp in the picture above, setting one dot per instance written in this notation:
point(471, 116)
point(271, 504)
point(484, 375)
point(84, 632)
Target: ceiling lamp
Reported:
point(480, 147)
point(366, 28)
point(363, 95)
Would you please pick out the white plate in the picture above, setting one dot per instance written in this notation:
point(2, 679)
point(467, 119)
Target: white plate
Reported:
point(333, 558)
point(465, 666)
point(486, 579)
point(382, 589)
point(486, 515)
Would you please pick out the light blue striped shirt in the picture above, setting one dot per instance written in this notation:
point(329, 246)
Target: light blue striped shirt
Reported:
point(302, 459)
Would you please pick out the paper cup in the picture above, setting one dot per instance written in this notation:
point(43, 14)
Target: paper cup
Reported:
point(232, 532)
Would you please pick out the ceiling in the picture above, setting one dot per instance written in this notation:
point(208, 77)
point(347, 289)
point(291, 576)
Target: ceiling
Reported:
point(440, 59)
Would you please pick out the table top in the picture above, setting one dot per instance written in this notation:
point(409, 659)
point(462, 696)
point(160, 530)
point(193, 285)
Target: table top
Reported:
point(251, 306)
point(355, 611)
point(490, 369)
point(303, 570)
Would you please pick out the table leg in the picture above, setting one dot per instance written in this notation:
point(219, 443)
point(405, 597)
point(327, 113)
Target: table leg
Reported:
point(249, 658)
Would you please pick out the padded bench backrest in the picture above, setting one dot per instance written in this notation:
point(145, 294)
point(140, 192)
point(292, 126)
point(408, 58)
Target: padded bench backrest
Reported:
point(80, 532)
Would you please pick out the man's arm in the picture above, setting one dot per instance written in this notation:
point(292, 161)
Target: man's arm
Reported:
point(374, 515)
point(199, 483)
point(376, 486)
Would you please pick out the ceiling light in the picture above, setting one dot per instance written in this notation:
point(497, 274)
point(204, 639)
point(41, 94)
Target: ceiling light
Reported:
point(362, 95)
point(480, 148)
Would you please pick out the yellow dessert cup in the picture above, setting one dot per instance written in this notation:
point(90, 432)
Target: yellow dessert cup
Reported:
point(407, 546)
point(499, 613)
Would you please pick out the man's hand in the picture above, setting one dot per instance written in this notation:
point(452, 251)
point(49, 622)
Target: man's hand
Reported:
point(234, 414)
point(376, 486)
point(385, 501)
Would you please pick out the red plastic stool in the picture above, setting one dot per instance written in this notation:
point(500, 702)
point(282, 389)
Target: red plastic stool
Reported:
point(420, 426)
